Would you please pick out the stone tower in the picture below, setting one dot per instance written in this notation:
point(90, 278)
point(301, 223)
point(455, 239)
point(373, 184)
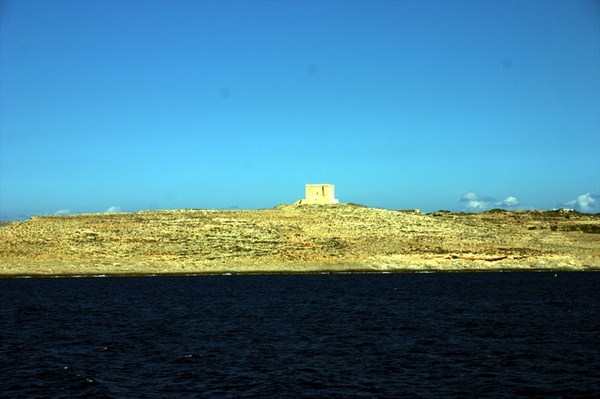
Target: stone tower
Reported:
point(319, 194)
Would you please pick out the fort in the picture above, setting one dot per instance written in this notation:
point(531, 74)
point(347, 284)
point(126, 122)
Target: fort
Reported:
point(319, 194)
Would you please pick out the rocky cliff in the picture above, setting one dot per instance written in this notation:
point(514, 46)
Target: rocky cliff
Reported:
point(305, 238)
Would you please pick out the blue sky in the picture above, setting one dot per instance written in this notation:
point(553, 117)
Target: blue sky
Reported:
point(458, 105)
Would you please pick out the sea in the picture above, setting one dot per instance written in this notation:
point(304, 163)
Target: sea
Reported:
point(407, 335)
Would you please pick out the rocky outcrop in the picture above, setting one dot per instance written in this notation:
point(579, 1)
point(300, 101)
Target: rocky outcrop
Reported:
point(289, 239)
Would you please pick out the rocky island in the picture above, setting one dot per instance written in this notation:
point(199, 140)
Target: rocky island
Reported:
point(298, 239)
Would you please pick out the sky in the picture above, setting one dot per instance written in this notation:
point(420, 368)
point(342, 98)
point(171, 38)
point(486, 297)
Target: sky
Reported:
point(109, 106)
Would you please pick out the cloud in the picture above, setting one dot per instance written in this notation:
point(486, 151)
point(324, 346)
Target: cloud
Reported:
point(476, 203)
point(62, 212)
point(470, 196)
point(113, 209)
point(589, 203)
point(508, 202)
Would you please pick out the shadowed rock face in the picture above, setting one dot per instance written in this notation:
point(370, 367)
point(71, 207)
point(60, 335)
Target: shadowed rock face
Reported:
point(305, 238)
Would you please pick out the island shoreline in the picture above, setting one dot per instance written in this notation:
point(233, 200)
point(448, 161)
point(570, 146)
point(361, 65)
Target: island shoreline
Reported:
point(299, 239)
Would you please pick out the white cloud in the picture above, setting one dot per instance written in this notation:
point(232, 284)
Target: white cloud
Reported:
point(476, 203)
point(588, 203)
point(470, 196)
point(474, 206)
point(113, 209)
point(508, 202)
point(62, 212)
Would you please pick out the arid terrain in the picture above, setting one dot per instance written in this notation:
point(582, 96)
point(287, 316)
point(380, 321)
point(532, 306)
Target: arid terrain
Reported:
point(298, 239)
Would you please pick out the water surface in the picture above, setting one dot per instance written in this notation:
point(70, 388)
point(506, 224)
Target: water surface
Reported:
point(496, 335)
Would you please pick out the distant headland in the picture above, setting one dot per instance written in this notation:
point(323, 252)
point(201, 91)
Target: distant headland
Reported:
point(300, 238)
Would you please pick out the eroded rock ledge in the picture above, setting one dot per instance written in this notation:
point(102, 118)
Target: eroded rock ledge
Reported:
point(297, 239)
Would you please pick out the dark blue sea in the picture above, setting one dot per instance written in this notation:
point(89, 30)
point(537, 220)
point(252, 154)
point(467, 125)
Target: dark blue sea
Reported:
point(438, 335)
